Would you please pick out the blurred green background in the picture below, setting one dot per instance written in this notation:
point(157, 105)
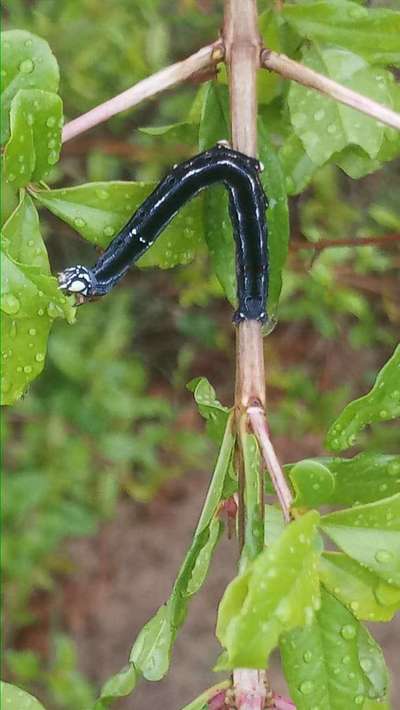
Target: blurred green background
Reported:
point(109, 427)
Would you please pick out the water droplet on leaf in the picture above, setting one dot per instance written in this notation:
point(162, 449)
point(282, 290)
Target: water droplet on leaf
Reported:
point(348, 632)
point(10, 304)
point(27, 66)
point(306, 687)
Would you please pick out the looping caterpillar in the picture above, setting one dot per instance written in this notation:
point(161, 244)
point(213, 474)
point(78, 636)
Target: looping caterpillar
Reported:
point(247, 204)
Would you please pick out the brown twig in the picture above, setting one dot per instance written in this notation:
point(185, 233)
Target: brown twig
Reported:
point(386, 240)
point(260, 428)
point(152, 85)
point(289, 69)
point(242, 49)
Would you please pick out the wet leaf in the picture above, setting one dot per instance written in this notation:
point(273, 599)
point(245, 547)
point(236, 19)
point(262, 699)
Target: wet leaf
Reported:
point(36, 119)
point(311, 481)
point(365, 594)
point(17, 699)
point(183, 132)
point(370, 534)
point(373, 33)
point(215, 413)
point(99, 210)
point(324, 662)
point(325, 126)
point(362, 479)
point(202, 563)
point(278, 591)
point(28, 63)
point(273, 181)
point(117, 686)
point(254, 521)
point(382, 403)
point(30, 301)
point(296, 164)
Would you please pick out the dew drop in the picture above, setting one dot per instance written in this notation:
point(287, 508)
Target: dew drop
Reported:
point(307, 656)
point(51, 121)
point(30, 119)
point(346, 660)
point(11, 177)
point(359, 699)
point(383, 556)
point(27, 369)
point(108, 231)
point(318, 115)
point(28, 43)
point(348, 632)
point(366, 664)
point(354, 606)
point(39, 357)
point(79, 222)
point(52, 158)
point(40, 312)
point(10, 304)
point(306, 687)
point(51, 143)
point(383, 414)
point(27, 66)
point(32, 331)
point(53, 311)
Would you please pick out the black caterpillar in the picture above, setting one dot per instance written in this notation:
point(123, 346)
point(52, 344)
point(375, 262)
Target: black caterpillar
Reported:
point(247, 204)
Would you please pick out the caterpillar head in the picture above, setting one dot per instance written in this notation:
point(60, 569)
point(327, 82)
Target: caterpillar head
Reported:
point(77, 280)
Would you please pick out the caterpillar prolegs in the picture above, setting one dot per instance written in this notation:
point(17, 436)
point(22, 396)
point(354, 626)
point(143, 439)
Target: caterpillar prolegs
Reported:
point(247, 204)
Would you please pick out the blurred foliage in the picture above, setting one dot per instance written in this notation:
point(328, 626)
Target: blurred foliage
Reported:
point(92, 426)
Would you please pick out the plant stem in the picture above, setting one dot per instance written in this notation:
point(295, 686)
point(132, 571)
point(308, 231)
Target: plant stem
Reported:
point(259, 426)
point(242, 49)
point(165, 78)
point(288, 68)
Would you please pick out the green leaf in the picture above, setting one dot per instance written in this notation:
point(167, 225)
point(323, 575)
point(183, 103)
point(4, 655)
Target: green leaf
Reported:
point(370, 534)
point(273, 181)
point(325, 126)
point(214, 493)
point(22, 234)
point(209, 407)
point(382, 403)
point(373, 33)
point(28, 63)
point(17, 699)
point(311, 481)
point(152, 649)
point(269, 84)
point(214, 120)
point(118, 686)
point(274, 524)
point(183, 132)
point(202, 563)
point(296, 164)
point(277, 592)
point(362, 479)
point(365, 594)
point(99, 210)
point(332, 663)
point(30, 300)
point(254, 520)
point(36, 119)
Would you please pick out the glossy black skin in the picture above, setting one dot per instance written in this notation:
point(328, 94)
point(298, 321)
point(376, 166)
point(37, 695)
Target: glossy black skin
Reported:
point(247, 205)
